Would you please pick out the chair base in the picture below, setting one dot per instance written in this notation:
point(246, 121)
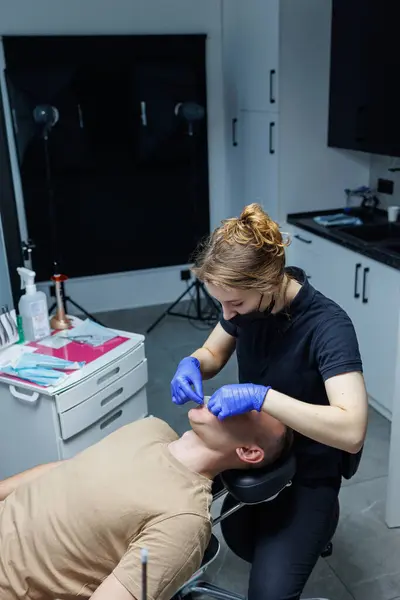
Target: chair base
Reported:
point(204, 588)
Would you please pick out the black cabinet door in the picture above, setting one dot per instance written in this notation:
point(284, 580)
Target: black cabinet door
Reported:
point(364, 92)
point(383, 60)
point(348, 75)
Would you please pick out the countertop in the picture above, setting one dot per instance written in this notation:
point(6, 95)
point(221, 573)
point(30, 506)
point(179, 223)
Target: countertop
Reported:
point(334, 234)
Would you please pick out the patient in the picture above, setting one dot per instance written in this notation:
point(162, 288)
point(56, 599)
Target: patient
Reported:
point(74, 529)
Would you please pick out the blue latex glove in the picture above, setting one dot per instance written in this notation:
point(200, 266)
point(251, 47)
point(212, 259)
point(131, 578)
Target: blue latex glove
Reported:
point(188, 374)
point(236, 399)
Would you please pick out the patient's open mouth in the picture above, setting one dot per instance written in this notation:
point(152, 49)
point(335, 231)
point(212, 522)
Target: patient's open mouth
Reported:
point(204, 404)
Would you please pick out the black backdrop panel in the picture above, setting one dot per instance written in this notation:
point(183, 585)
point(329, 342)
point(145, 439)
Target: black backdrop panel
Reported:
point(131, 186)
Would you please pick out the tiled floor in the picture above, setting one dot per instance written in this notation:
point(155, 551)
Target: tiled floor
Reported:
point(366, 560)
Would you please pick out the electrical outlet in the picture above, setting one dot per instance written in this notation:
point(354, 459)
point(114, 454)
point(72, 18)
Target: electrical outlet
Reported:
point(185, 275)
point(385, 186)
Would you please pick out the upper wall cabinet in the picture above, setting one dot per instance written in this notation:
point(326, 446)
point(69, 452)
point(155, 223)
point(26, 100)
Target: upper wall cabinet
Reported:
point(251, 46)
point(364, 92)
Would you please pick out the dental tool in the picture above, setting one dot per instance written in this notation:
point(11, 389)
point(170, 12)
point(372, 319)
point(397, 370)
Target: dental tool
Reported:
point(144, 557)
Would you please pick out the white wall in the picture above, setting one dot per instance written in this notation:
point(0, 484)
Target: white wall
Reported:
point(132, 17)
point(318, 178)
point(380, 166)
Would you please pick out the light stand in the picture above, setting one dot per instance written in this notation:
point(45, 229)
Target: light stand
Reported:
point(46, 117)
point(200, 314)
point(192, 112)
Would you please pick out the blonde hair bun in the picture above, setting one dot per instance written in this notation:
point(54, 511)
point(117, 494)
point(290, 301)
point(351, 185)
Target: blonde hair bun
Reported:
point(256, 228)
point(246, 252)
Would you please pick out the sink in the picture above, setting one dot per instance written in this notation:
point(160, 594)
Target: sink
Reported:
point(392, 247)
point(384, 232)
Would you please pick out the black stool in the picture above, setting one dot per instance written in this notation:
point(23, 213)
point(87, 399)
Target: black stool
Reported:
point(241, 488)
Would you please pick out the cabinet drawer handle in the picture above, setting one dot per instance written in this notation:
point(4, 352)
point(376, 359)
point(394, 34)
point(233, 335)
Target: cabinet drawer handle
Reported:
point(111, 397)
point(111, 419)
point(271, 135)
point(364, 298)
point(234, 140)
point(28, 398)
point(108, 375)
point(356, 292)
point(143, 113)
point(272, 74)
point(301, 239)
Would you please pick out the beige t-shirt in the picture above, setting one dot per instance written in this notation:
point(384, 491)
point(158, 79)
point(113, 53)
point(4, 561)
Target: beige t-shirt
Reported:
point(62, 534)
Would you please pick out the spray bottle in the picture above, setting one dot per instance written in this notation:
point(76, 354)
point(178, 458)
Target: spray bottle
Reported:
point(33, 308)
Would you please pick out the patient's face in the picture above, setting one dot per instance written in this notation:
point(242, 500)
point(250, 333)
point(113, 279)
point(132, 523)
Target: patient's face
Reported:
point(226, 435)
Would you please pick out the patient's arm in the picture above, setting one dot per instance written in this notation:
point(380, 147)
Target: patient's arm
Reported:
point(7, 486)
point(111, 589)
point(175, 547)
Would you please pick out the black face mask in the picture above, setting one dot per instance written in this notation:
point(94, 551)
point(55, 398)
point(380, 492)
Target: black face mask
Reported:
point(254, 315)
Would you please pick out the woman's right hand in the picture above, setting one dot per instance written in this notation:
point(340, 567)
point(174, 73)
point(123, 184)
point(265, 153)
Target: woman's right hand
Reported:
point(188, 374)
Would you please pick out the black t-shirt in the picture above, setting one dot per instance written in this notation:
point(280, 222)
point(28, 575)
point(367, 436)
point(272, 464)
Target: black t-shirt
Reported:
point(295, 351)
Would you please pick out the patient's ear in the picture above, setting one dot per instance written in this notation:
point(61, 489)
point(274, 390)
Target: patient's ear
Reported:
point(251, 455)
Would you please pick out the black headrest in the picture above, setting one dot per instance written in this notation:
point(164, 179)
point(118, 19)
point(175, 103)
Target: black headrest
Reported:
point(252, 486)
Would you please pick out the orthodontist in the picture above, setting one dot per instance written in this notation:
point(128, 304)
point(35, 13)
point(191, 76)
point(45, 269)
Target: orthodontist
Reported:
point(298, 361)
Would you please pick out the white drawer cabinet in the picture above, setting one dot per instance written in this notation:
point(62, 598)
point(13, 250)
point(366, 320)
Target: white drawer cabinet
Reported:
point(369, 292)
point(94, 408)
point(37, 428)
point(376, 309)
point(132, 409)
point(307, 252)
point(106, 376)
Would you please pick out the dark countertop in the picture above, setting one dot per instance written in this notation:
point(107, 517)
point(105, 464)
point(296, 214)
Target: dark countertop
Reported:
point(334, 234)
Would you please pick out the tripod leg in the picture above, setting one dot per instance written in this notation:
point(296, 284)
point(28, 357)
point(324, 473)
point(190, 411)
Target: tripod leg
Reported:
point(82, 310)
point(211, 302)
point(169, 309)
point(198, 300)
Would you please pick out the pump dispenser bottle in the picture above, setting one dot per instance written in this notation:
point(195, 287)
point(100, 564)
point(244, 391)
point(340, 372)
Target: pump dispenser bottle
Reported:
point(33, 308)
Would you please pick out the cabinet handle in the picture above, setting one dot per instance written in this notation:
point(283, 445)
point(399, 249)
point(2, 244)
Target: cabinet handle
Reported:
point(301, 239)
point(272, 74)
point(356, 292)
point(271, 145)
point(234, 140)
point(29, 398)
point(143, 113)
point(80, 117)
point(111, 373)
point(111, 419)
point(364, 298)
point(111, 397)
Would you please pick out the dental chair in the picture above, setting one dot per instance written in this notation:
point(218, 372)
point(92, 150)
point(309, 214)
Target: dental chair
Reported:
point(243, 488)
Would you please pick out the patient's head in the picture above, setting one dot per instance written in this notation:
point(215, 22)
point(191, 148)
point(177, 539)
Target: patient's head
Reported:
point(250, 440)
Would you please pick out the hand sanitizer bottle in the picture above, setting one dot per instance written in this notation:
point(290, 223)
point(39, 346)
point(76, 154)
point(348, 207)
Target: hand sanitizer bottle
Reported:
point(33, 308)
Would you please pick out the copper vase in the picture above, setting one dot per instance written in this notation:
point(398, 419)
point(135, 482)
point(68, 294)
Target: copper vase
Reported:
point(59, 320)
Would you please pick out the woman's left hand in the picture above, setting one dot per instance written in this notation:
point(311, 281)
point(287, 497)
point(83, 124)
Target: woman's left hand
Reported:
point(236, 399)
